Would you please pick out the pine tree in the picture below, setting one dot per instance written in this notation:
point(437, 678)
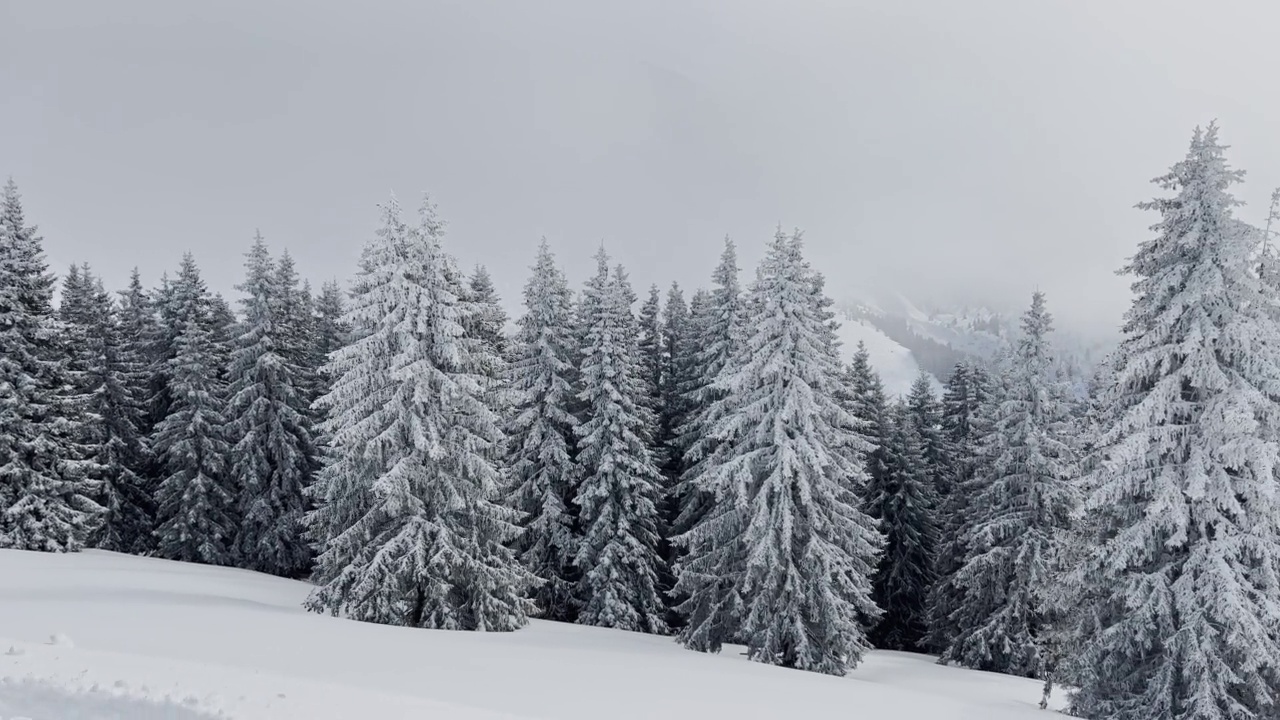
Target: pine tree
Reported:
point(408, 520)
point(102, 374)
point(869, 407)
point(1184, 568)
point(195, 518)
point(620, 485)
point(541, 437)
point(45, 497)
point(967, 394)
point(1025, 470)
point(902, 499)
point(782, 562)
point(268, 426)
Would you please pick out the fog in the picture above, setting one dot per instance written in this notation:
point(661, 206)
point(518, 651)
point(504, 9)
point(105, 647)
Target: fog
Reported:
point(960, 151)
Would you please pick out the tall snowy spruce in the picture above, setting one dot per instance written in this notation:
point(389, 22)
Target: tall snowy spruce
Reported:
point(408, 520)
point(106, 376)
point(541, 437)
point(902, 498)
point(782, 561)
point(45, 492)
point(268, 427)
point(1026, 468)
point(1186, 567)
point(619, 483)
point(195, 520)
point(966, 396)
point(715, 326)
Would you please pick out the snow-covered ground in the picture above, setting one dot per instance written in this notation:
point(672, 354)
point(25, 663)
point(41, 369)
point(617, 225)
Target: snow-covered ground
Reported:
point(99, 635)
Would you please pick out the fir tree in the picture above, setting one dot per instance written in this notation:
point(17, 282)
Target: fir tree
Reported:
point(195, 518)
point(1184, 569)
point(491, 320)
point(410, 530)
point(716, 321)
point(650, 345)
point(103, 373)
point(902, 499)
point(1026, 467)
point(620, 485)
point(330, 330)
point(268, 426)
point(966, 396)
point(782, 561)
point(541, 437)
point(926, 415)
point(45, 497)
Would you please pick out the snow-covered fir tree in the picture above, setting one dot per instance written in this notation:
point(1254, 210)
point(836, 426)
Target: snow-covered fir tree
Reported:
point(619, 485)
point(1025, 470)
point(268, 427)
point(679, 372)
point(650, 344)
point(1185, 567)
point(195, 520)
point(103, 373)
point(541, 437)
point(926, 415)
point(902, 498)
point(965, 397)
point(489, 326)
point(716, 322)
point(45, 495)
point(409, 523)
point(782, 561)
point(330, 330)
point(491, 320)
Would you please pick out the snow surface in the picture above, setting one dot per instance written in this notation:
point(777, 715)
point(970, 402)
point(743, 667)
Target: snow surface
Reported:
point(894, 363)
point(98, 635)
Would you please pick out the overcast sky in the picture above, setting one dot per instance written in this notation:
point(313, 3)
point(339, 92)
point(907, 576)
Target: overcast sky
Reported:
point(975, 149)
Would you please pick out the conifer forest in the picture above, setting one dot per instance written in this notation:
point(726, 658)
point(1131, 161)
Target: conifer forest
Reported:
point(702, 463)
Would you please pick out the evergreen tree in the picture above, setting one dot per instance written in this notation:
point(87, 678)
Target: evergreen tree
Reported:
point(902, 499)
point(268, 426)
point(926, 415)
point(195, 518)
point(620, 485)
point(716, 321)
point(966, 396)
point(491, 320)
point(650, 344)
point(410, 530)
point(678, 374)
point(1184, 565)
point(542, 435)
point(102, 372)
point(1026, 467)
point(869, 407)
point(45, 497)
point(330, 330)
point(782, 561)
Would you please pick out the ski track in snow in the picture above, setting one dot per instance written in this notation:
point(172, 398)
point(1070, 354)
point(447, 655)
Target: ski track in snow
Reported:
point(97, 635)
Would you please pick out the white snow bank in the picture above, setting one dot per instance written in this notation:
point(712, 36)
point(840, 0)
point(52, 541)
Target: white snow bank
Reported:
point(215, 640)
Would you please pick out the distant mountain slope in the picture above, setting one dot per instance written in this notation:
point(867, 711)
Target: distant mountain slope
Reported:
point(937, 339)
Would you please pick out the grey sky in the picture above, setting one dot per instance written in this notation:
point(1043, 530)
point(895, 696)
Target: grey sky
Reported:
point(975, 148)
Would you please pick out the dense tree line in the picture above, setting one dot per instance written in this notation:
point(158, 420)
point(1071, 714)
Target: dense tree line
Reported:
point(708, 468)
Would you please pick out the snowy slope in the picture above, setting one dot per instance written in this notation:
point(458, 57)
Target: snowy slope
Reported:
point(151, 638)
point(895, 364)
